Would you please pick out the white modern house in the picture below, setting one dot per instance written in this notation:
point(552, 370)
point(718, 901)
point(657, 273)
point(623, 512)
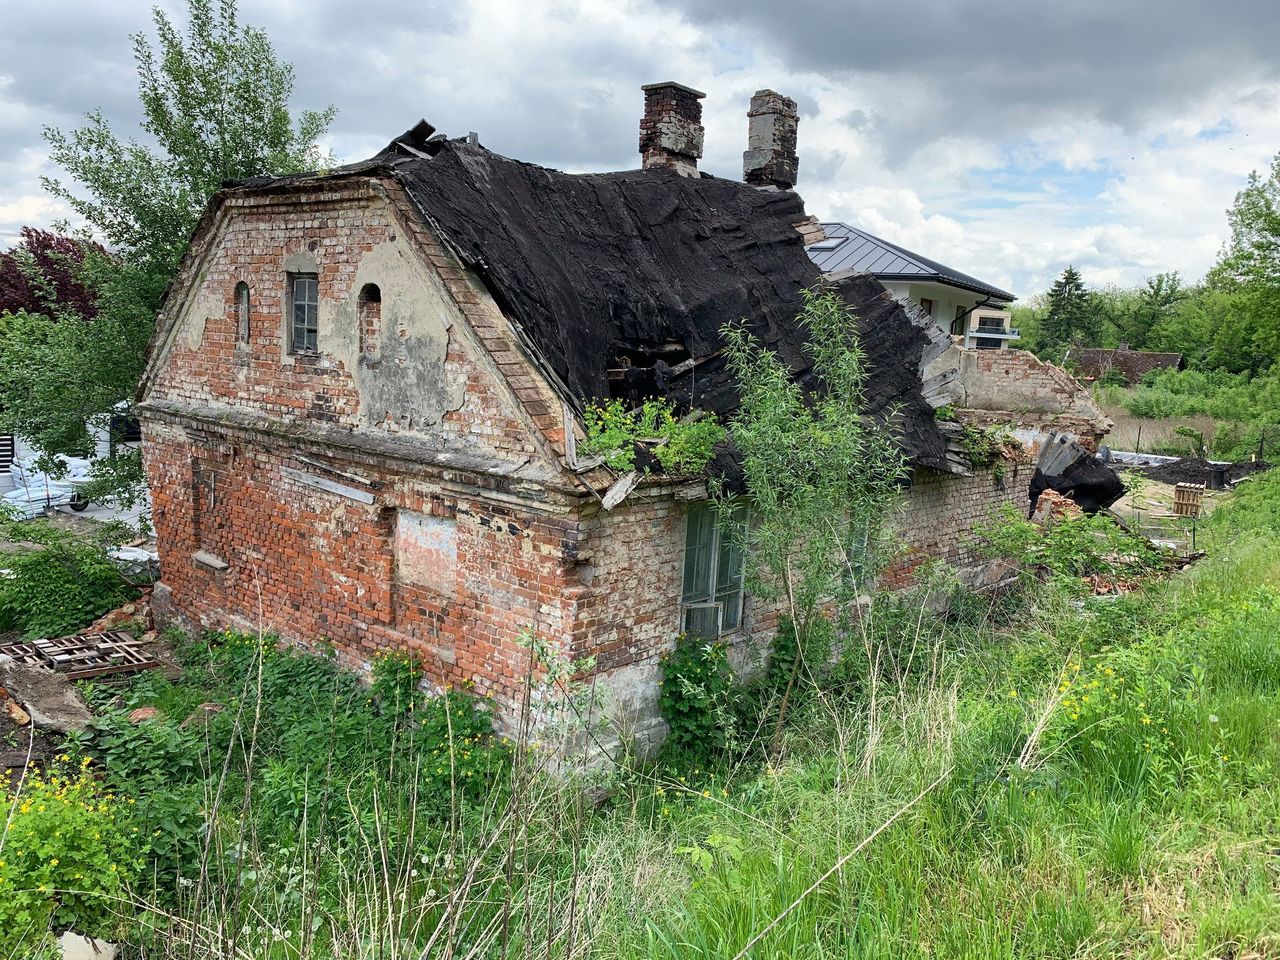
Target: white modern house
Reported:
point(964, 306)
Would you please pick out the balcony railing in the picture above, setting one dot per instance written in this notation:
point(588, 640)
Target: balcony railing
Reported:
point(1001, 332)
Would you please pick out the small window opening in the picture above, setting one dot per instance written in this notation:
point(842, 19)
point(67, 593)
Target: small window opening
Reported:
point(242, 312)
point(714, 571)
point(304, 298)
point(369, 310)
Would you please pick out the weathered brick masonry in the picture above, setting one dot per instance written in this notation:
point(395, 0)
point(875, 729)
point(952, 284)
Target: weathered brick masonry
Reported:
point(406, 486)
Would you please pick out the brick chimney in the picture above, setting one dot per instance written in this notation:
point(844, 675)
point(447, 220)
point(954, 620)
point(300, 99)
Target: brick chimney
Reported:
point(770, 158)
point(671, 130)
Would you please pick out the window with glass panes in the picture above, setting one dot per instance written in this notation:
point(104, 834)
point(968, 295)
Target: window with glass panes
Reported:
point(304, 290)
point(714, 569)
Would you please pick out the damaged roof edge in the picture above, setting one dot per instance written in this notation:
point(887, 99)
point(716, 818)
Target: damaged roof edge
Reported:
point(593, 268)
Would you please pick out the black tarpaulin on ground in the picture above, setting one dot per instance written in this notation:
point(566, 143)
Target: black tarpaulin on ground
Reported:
point(1089, 482)
point(636, 272)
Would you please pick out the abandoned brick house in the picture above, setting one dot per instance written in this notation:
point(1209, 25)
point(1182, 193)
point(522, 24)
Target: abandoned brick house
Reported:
point(363, 401)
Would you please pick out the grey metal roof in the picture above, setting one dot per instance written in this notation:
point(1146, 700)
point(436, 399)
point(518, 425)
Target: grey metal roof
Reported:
point(848, 248)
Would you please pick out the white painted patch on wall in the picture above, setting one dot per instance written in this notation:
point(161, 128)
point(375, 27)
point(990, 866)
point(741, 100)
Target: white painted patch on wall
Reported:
point(427, 551)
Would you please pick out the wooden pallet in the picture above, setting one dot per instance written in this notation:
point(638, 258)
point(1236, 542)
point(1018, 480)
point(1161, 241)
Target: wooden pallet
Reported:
point(1188, 499)
point(84, 655)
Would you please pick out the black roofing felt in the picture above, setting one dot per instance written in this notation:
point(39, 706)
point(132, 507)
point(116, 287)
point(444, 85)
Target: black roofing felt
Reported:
point(597, 266)
point(648, 265)
point(867, 253)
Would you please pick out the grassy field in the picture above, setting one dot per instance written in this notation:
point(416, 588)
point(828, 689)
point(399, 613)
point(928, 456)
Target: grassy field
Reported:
point(1238, 416)
point(1053, 775)
point(1152, 435)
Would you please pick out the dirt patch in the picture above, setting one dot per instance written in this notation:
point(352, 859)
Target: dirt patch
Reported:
point(49, 697)
point(1196, 470)
point(20, 744)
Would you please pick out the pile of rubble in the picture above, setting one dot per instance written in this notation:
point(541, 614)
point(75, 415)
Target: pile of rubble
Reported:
point(39, 702)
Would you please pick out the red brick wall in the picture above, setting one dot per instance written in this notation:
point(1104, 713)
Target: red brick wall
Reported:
point(944, 513)
point(444, 557)
point(317, 567)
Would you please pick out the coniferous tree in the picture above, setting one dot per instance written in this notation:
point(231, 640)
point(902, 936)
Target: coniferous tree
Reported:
point(1068, 319)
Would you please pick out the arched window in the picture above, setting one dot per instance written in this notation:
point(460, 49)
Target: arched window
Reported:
point(242, 312)
point(369, 309)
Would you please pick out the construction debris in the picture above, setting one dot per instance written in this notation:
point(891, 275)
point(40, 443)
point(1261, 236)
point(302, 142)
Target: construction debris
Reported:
point(1055, 506)
point(1188, 499)
point(84, 655)
point(48, 697)
point(1196, 470)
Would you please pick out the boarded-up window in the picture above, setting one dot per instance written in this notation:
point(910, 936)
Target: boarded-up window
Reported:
point(242, 312)
point(427, 552)
point(369, 309)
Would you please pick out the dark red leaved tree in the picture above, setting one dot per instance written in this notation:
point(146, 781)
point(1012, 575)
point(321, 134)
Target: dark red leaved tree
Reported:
point(56, 258)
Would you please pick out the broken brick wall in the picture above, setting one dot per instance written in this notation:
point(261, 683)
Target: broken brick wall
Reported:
point(944, 514)
point(1017, 388)
point(427, 565)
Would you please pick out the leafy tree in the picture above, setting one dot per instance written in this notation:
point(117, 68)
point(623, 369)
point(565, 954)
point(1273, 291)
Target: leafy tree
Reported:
point(1069, 318)
point(42, 273)
point(1250, 264)
point(820, 474)
point(1212, 329)
point(1157, 299)
point(215, 105)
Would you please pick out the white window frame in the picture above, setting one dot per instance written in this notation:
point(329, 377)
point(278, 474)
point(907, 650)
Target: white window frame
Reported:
point(304, 332)
point(713, 592)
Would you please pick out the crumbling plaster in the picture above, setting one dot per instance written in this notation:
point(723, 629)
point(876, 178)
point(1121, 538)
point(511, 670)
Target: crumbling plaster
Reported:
point(403, 381)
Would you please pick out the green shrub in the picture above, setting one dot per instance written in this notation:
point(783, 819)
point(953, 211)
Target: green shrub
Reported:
point(983, 445)
point(66, 858)
point(300, 746)
point(695, 696)
point(396, 681)
point(1245, 410)
point(613, 432)
point(1071, 546)
point(60, 589)
point(462, 759)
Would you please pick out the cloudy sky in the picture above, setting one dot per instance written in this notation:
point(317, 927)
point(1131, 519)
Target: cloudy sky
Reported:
point(1005, 137)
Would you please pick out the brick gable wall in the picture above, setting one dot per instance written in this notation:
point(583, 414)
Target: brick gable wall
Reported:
point(429, 376)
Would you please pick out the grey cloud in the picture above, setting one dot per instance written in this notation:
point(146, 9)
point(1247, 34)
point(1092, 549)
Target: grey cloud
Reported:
point(1005, 65)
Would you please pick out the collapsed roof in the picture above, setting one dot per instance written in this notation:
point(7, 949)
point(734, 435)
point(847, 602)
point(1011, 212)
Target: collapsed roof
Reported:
point(619, 283)
point(1133, 365)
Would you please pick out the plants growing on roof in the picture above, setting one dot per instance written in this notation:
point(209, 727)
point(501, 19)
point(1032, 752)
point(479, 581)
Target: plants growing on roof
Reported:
point(683, 446)
point(983, 445)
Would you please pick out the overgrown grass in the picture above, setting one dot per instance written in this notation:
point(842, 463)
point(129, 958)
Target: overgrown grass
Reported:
point(1061, 775)
point(1244, 410)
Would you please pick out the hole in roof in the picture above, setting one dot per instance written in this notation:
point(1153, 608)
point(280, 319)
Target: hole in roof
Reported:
point(828, 244)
